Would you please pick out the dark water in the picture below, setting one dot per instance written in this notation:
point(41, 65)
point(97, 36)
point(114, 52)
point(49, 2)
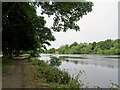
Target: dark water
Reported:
point(100, 70)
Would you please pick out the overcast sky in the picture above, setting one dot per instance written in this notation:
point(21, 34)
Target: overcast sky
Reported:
point(100, 24)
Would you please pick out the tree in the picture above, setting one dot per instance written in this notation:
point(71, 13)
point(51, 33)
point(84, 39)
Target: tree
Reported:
point(63, 49)
point(93, 45)
point(66, 14)
point(92, 48)
point(17, 27)
point(24, 30)
point(74, 44)
point(52, 50)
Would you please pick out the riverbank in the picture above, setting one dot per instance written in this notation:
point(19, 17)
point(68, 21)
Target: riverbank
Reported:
point(34, 73)
point(93, 66)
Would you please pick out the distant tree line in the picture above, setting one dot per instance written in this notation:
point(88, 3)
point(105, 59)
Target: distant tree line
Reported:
point(102, 47)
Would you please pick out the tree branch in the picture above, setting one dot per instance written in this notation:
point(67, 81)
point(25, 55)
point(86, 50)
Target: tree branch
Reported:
point(9, 10)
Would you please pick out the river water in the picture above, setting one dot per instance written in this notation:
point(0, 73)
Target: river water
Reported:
point(99, 70)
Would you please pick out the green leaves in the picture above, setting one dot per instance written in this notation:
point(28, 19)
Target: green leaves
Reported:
point(24, 30)
point(54, 61)
point(66, 14)
point(103, 47)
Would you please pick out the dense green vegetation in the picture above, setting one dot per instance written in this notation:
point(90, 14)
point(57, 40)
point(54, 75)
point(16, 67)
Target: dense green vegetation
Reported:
point(40, 74)
point(53, 76)
point(102, 47)
point(24, 31)
point(6, 64)
point(54, 61)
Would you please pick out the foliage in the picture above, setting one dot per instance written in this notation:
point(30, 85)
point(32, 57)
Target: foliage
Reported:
point(52, 50)
point(54, 61)
point(23, 30)
point(54, 76)
point(5, 64)
point(114, 85)
point(102, 47)
point(66, 14)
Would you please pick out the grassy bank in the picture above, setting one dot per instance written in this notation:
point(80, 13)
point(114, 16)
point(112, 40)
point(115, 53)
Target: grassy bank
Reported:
point(6, 64)
point(49, 76)
point(38, 74)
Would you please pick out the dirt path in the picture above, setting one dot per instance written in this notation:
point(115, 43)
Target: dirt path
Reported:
point(13, 78)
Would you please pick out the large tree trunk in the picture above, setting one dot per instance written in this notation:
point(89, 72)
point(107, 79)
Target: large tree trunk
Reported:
point(5, 54)
point(17, 53)
point(10, 55)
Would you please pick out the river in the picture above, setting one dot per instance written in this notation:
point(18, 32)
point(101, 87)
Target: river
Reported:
point(99, 70)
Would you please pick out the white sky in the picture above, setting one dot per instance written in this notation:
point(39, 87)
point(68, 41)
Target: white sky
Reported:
point(100, 24)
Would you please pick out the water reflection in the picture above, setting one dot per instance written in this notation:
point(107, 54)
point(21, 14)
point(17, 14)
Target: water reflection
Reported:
point(99, 69)
point(98, 61)
point(109, 61)
point(75, 62)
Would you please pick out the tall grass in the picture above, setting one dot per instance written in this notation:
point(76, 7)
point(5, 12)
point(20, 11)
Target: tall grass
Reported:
point(54, 76)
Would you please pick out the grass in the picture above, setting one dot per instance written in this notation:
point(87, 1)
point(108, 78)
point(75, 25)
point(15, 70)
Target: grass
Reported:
point(30, 76)
point(6, 64)
point(38, 74)
point(53, 77)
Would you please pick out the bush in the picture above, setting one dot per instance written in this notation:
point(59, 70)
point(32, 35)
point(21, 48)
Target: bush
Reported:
point(54, 61)
point(53, 76)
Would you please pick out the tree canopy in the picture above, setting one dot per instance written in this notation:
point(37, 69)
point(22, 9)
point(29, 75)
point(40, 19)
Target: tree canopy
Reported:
point(102, 47)
point(66, 14)
point(23, 30)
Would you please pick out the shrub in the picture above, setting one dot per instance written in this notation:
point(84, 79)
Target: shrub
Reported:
point(55, 77)
point(54, 61)
point(52, 74)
